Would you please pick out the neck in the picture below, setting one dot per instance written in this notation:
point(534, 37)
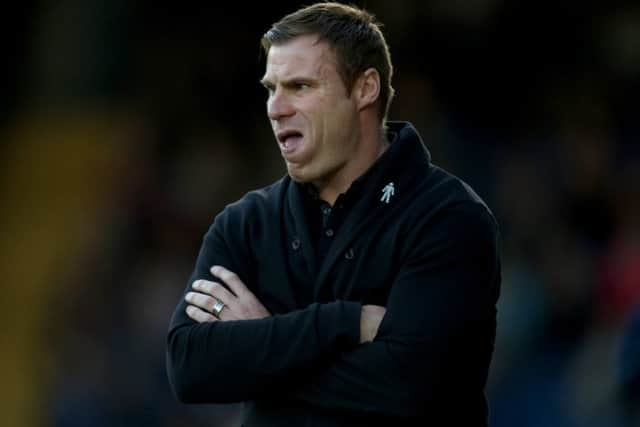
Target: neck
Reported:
point(371, 149)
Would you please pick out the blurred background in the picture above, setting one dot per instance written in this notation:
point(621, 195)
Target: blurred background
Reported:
point(125, 126)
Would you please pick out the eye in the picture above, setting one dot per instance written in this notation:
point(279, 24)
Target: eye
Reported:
point(301, 86)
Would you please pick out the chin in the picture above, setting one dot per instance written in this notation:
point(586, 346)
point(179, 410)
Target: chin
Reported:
point(298, 174)
point(297, 177)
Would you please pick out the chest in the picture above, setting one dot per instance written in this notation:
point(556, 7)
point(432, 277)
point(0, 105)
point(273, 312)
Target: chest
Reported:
point(360, 265)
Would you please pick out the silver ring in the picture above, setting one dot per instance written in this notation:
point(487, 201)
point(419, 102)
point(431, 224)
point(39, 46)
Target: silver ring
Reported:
point(218, 307)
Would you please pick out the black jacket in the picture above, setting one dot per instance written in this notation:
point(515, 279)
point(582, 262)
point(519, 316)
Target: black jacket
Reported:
point(429, 256)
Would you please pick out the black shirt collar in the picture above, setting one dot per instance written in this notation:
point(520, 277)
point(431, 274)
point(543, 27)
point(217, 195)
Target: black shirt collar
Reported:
point(403, 141)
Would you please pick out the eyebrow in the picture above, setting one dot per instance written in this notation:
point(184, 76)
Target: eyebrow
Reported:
point(288, 81)
point(265, 82)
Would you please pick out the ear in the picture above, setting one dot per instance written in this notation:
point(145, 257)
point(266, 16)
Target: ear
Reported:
point(367, 88)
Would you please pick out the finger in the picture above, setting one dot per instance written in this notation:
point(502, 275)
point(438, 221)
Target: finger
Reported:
point(231, 279)
point(203, 301)
point(199, 315)
point(214, 289)
point(206, 303)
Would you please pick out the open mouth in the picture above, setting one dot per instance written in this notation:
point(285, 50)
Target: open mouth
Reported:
point(290, 140)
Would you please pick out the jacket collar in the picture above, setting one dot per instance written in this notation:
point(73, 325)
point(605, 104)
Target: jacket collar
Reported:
point(405, 145)
point(404, 160)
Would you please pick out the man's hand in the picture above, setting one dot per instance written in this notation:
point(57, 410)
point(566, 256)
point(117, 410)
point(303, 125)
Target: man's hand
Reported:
point(370, 319)
point(239, 304)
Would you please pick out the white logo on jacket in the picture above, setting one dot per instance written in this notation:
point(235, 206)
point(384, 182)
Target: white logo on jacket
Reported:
point(387, 192)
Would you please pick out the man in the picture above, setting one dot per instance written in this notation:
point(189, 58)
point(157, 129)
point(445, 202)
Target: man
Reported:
point(360, 289)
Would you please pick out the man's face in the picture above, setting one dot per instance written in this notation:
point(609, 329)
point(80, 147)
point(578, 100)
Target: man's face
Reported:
point(314, 120)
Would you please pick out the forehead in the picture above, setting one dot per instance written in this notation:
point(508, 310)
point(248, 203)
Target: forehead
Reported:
point(302, 55)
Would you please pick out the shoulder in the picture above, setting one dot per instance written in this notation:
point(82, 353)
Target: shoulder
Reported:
point(444, 209)
point(448, 188)
point(254, 207)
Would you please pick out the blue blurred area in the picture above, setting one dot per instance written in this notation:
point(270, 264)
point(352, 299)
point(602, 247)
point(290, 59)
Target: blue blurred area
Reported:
point(126, 126)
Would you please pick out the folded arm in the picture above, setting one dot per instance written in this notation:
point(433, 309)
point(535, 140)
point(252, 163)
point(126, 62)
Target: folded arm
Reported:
point(436, 340)
point(436, 337)
point(237, 360)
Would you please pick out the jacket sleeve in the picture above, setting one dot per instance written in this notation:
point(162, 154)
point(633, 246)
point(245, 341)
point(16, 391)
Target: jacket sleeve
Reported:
point(233, 361)
point(436, 339)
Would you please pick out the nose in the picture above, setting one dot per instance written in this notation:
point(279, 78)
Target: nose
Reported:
point(279, 105)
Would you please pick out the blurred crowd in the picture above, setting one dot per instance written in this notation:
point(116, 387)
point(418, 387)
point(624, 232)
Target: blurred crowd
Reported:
point(126, 126)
